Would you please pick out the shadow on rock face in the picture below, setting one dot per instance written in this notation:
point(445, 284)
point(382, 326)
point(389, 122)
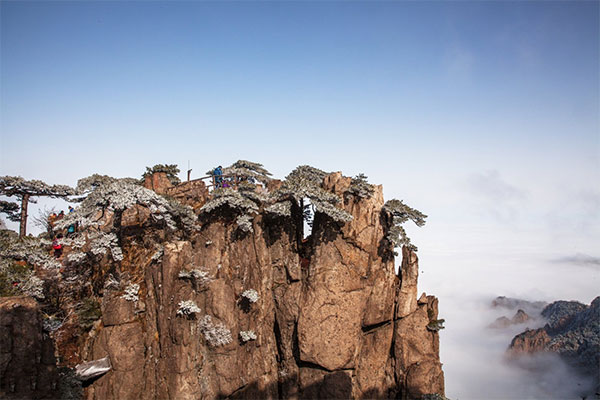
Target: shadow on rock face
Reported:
point(334, 385)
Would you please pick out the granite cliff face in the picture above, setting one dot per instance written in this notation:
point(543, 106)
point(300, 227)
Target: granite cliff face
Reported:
point(219, 312)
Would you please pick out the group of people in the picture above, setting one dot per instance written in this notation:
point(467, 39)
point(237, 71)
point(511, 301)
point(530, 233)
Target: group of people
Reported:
point(56, 242)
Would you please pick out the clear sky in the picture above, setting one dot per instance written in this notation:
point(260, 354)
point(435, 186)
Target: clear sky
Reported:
point(482, 114)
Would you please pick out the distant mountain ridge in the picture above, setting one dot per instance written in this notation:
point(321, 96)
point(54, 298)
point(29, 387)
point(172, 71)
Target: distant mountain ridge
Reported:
point(572, 331)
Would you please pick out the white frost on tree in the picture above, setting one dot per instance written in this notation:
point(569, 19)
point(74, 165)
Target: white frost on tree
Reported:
point(360, 187)
point(251, 295)
point(231, 198)
point(399, 214)
point(247, 336)
point(281, 209)
point(76, 258)
point(32, 250)
point(119, 195)
point(23, 190)
point(202, 278)
point(247, 170)
point(33, 287)
point(244, 222)
point(187, 308)
point(215, 334)
point(158, 254)
point(305, 182)
point(131, 292)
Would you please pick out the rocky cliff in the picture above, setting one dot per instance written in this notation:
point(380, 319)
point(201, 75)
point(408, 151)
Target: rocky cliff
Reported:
point(233, 306)
point(572, 331)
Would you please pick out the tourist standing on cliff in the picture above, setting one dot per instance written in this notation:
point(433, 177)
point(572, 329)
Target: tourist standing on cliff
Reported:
point(218, 174)
point(71, 228)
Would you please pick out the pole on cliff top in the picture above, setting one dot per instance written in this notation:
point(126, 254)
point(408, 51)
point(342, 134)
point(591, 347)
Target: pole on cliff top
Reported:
point(189, 171)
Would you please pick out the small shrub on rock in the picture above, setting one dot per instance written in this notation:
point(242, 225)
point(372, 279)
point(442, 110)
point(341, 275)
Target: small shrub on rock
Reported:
point(187, 308)
point(215, 334)
point(131, 292)
point(247, 336)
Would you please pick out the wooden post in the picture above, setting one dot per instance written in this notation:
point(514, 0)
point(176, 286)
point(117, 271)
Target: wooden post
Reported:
point(189, 173)
point(24, 204)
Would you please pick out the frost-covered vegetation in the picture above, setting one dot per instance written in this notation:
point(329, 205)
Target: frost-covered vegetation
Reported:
point(215, 334)
point(11, 210)
point(282, 209)
point(251, 295)
point(119, 195)
point(360, 187)
point(436, 325)
point(187, 308)
point(89, 184)
point(157, 256)
point(305, 182)
point(248, 170)
point(17, 258)
point(244, 202)
point(34, 251)
point(23, 190)
point(131, 292)
point(102, 242)
point(199, 277)
point(170, 169)
point(400, 213)
point(247, 336)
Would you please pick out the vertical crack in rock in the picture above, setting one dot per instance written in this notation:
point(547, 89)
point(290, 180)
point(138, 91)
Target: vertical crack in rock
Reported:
point(280, 357)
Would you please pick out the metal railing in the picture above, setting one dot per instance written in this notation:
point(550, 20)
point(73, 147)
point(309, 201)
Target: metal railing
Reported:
point(218, 181)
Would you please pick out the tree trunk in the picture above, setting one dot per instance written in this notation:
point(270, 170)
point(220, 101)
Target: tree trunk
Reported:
point(24, 204)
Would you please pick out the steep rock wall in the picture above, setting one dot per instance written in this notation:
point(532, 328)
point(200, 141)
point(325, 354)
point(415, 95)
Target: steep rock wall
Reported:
point(332, 318)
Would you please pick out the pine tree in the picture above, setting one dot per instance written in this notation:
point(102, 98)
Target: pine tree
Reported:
point(15, 186)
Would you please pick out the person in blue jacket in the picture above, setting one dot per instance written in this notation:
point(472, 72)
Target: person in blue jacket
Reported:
point(218, 174)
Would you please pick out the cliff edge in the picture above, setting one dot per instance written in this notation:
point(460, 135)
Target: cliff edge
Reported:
point(212, 303)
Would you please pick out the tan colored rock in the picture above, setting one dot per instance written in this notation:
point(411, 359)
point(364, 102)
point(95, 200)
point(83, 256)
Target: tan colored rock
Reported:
point(116, 310)
point(191, 193)
point(158, 182)
point(423, 378)
point(520, 317)
point(380, 305)
point(409, 275)
point(331, 318)
point(331, 302)
point(372, 375)
point(530, 341)
point(136, 215)
point(416, 351)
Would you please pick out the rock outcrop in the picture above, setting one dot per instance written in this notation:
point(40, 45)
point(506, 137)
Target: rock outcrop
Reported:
point(260, 313)
point(27, 363)
point(572, 331)
point(520, 317)
point(529, 307)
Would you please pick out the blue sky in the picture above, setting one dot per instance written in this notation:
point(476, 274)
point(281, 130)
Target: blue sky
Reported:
point(454, 80)
point(484, 115)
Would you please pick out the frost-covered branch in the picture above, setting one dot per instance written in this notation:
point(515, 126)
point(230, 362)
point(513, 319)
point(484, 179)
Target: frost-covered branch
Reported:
point(187, 308)
point(401, 213)
point(305, 182)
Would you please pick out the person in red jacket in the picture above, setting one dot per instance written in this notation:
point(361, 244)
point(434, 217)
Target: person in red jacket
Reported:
point(57, 246)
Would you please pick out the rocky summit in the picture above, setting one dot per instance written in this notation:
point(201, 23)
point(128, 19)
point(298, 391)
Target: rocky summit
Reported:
point(171, 292)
